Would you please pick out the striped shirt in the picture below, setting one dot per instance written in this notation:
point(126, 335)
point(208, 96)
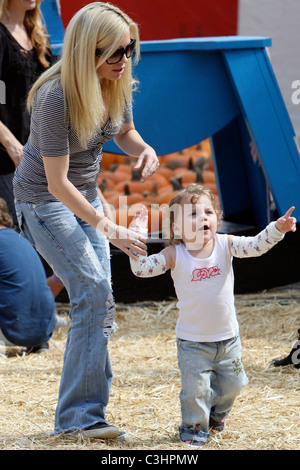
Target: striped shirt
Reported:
point(51, 135)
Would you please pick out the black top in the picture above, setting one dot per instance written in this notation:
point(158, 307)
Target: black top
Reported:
point(19, 69)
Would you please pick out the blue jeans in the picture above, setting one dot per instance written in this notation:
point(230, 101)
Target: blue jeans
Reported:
point(79, 256)
point(212, 375)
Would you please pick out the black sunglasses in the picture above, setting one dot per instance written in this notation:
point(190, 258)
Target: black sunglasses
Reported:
point(117, 56)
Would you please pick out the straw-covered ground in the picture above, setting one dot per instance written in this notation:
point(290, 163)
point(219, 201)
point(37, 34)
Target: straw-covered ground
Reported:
point(144, 399)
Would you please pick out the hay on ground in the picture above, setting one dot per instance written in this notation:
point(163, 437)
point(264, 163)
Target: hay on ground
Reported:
point(144, 399)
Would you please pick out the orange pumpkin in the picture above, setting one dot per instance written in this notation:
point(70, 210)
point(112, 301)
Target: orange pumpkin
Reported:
point(108, 159)
point(120, 182)
point(205, 145)
point(113, 198)
point(132, 198)
point(162, 196)
point(186, 176)
point(125, 159)
point(165, 198)
point(164, 171)
point(208, 176)
point(134, 186)
point(111, 177)
point(159, 179)
point(175, 159)
point(212, 187)
point(125, 214)
point(124, 168)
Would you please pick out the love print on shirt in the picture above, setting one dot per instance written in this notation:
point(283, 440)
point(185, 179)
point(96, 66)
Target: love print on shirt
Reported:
point(205, 273)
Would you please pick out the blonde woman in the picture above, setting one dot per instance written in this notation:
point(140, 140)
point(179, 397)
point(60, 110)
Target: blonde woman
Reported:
point(77, 105)
point(24, 55)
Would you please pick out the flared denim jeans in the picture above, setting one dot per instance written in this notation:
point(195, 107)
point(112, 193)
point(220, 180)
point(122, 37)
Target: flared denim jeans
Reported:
point(212, 376)
point(79, 256)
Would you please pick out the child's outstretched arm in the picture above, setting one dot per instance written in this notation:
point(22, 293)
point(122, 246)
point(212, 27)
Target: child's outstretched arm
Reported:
point(154, 265)
point(242, 247)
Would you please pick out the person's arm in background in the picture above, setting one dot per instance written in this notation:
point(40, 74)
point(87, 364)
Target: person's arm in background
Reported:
point(13, 147)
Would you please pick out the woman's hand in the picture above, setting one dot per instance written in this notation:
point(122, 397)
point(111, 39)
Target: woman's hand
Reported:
point(149, 160)
point(130, 141)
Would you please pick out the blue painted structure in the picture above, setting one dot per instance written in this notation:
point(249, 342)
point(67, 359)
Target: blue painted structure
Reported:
point(54, 24)
point(223, 88)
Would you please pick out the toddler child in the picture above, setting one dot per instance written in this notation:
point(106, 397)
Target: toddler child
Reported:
point(208, 343)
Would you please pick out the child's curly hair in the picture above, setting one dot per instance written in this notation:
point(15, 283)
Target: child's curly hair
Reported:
point(191, 194)
point(5, 218)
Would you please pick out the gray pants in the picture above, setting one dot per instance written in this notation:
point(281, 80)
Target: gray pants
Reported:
point(212, 376)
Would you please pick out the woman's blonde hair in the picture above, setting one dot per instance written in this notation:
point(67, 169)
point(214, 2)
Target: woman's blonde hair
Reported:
point(35, 29)
point(189, 195)
point(96, 26)
point(5, 218)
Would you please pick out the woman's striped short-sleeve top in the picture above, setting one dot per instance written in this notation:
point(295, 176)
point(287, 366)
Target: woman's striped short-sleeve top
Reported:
point(51, 135)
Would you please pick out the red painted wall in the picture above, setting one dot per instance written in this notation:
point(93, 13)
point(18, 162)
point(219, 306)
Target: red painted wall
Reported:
point(167, 19)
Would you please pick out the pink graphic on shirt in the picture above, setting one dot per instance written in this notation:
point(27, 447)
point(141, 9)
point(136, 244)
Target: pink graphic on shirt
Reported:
point(205, 273)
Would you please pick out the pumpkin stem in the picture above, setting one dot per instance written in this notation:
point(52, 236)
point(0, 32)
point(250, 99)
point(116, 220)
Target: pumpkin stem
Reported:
point(113, 167)
point(154, 190)
point(199, 178)
point(176, 183)
point(190, 164)
point(103, 186)
point(200, 165)
point(172, 164)
point(136, 174)
point(126, 190)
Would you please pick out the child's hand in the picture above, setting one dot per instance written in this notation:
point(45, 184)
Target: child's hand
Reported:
point(140, 219)
point(286, 223)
